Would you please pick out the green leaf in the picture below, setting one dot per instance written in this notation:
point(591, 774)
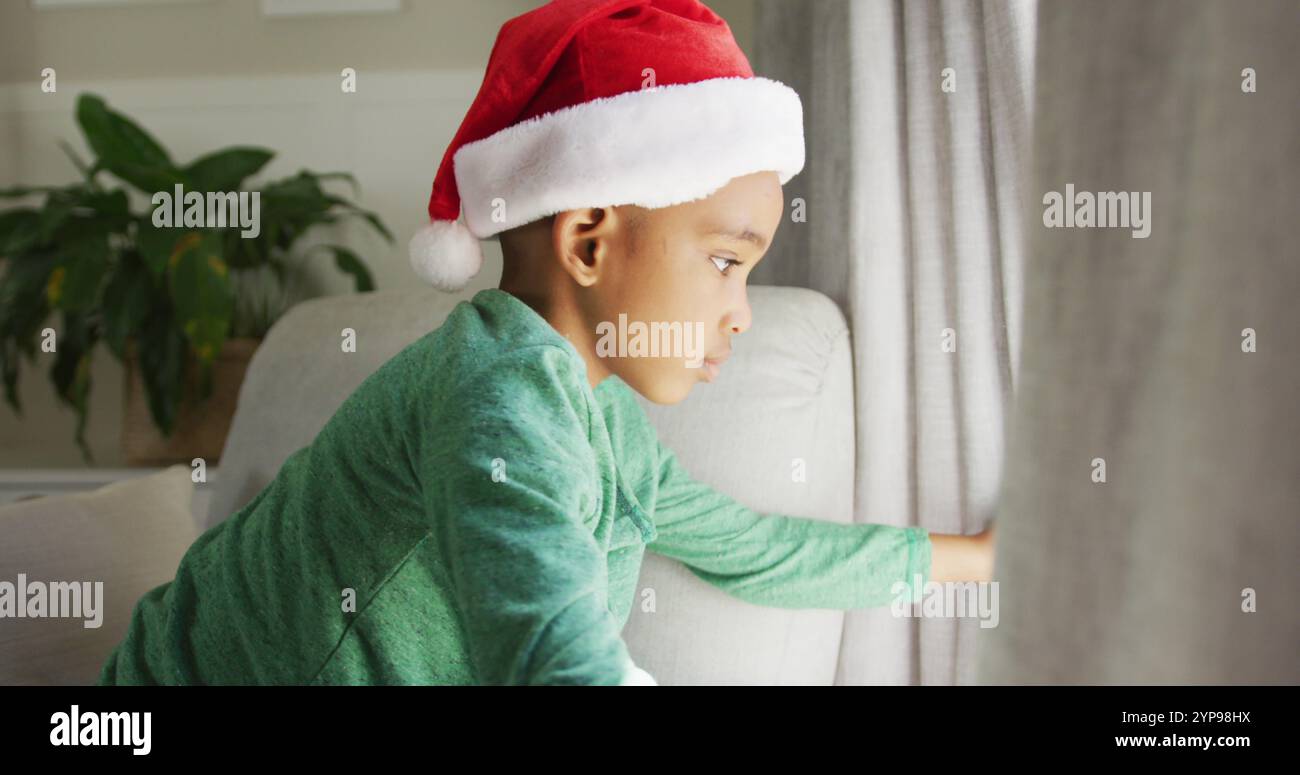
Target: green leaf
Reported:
point(76, 280)
point(19, 231)
point(112, 203)
point(71, 370)
point(156, 245)
point(22, 293)
point(112, 134)
point(272, 232)
point(124, 148)
point(349, 263)
point(369, 216)
point(199, 282)
point(243, 253)
point(58, 208)
point(296, 197)
point(162, 360)
point(23, 310)
point(10, 360)
point(128, 298)
point(71, 213)
point(226, 169)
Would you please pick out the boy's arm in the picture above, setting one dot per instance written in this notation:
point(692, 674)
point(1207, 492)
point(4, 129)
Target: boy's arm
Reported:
point(791, 562)
point(962, 557)
point(528, 578)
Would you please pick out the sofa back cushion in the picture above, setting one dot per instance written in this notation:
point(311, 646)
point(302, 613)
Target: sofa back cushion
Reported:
point(115, 543)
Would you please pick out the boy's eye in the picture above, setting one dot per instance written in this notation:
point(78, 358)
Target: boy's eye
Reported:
point(726, 264)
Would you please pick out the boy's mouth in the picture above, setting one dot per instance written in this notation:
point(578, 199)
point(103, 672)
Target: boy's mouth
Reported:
point(713, 365)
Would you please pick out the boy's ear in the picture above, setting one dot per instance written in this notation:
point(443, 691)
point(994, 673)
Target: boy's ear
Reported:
point(582, 240)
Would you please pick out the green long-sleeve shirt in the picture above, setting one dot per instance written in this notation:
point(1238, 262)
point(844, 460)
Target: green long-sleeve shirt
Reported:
point(476, 513)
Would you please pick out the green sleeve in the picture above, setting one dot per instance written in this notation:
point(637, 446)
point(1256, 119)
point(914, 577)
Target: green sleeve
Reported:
point(528, 577)
point(777, 560)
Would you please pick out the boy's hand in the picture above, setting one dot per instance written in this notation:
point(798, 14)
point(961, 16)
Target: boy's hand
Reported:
point(986, 547)
point(962, 557)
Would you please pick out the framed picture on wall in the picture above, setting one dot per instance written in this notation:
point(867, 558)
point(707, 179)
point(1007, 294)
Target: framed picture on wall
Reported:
point(327, 7)
point(42, 5)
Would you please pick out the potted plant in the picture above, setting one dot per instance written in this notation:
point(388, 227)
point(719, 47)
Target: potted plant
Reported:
point(183, 307)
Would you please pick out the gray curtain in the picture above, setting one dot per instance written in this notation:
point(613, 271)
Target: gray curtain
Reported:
point(914, 198)
point(1134, 354)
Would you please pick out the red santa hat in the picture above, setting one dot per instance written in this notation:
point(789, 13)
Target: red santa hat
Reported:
point(598, 103)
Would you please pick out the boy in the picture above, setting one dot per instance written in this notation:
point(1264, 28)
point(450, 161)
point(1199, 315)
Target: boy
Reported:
point(486, 497)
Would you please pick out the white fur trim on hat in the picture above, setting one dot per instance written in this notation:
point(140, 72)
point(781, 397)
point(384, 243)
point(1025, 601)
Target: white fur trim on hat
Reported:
point(446, 254)
point(654, 147)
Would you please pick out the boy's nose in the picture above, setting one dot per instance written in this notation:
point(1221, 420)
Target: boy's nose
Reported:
point(738, 320)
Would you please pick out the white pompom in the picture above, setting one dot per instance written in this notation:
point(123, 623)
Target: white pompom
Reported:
point(446, 254)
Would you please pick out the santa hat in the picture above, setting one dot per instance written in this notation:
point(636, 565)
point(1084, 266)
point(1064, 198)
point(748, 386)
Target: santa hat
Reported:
point(598, 103)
